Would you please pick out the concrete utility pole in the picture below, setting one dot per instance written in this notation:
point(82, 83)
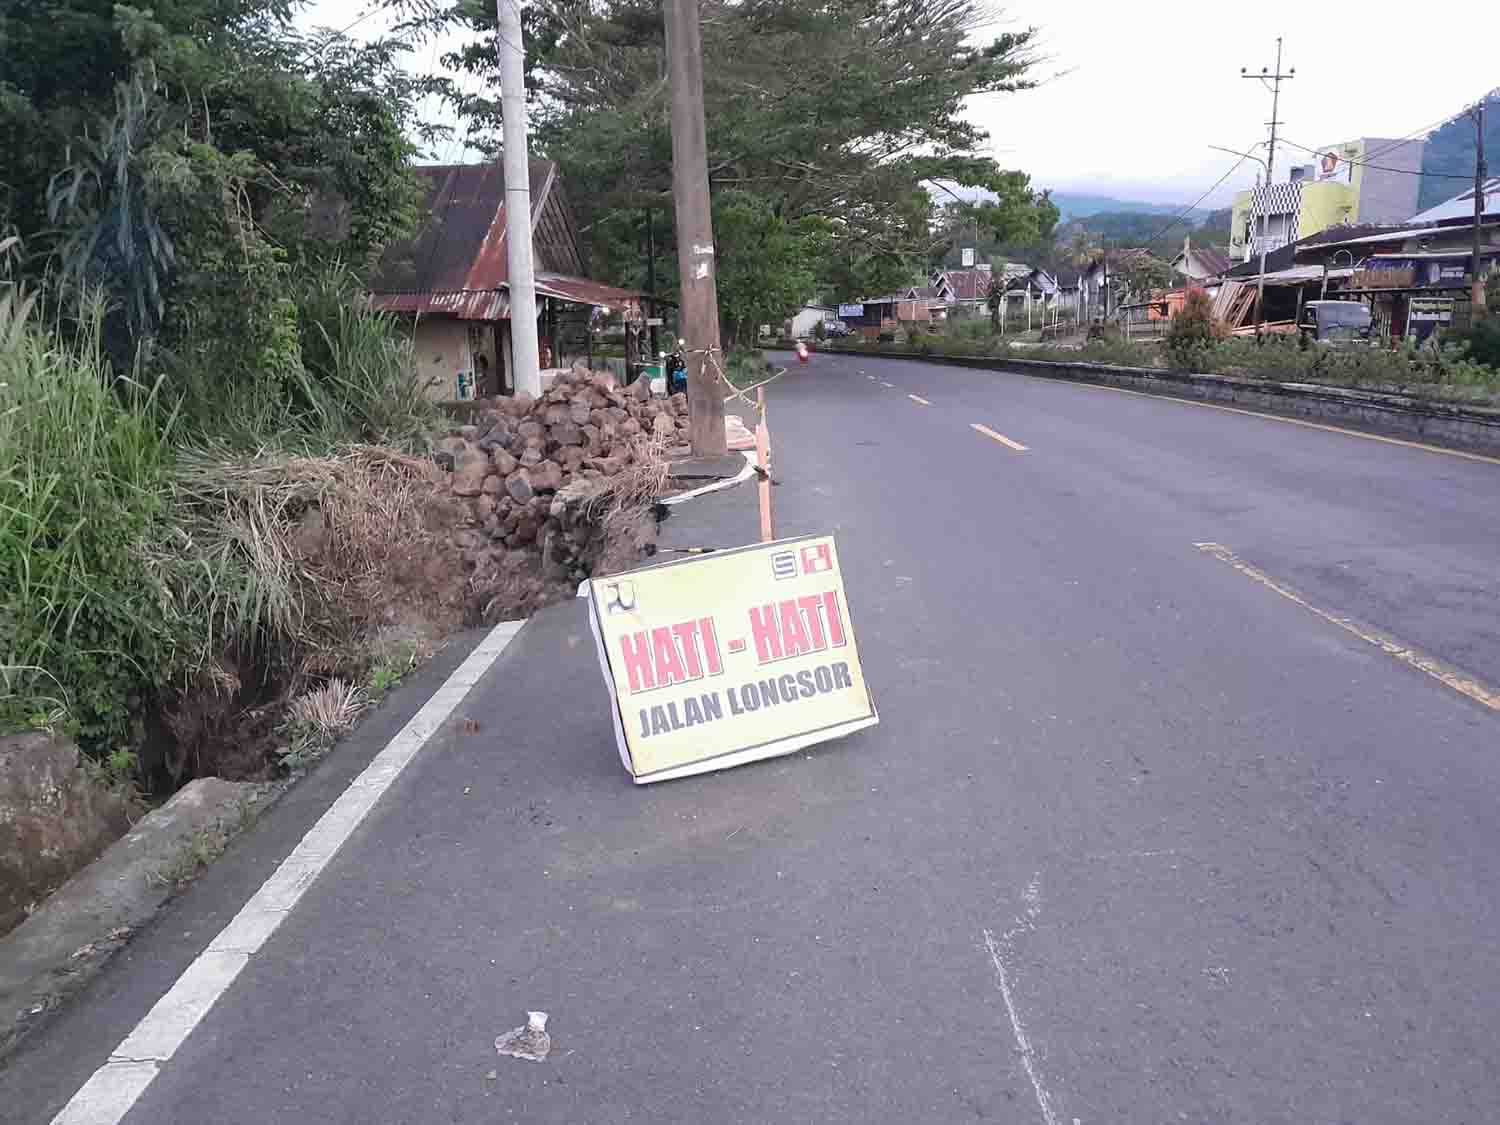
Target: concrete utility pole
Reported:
point(1273, 82)
point(698, 316)
point(526, 361)
point(1477, 308)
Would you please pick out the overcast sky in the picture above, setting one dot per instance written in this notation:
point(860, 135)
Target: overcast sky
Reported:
point(1137, 93)
point(1142, 90)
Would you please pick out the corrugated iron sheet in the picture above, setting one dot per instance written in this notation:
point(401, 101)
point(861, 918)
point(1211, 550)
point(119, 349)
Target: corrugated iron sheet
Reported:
point(582, 291)
point(484, 304)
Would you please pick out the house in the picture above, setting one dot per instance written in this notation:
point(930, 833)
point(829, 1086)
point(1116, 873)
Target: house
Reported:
point(805, 320)
point(966, 291)
point(1368, 180)
point(450, 283)
point(1197, 264)
point(1419, 270)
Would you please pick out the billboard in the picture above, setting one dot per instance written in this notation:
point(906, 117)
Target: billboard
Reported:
point(730, 657)
point(855, 311)
point(1336, 163)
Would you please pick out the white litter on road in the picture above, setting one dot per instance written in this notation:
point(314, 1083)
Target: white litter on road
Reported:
point(531, 1042)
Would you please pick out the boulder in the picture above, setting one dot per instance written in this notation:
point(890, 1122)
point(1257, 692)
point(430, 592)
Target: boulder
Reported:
point(443, 459)
point(518, 484)
point(504, 463)
point(493, 485)
point(556, 413)
point(566, 433)
point(484, 507)
point(605, 466)
point(663, 426)
point(640, 390)
point(679, 403)
point(579, 412)
point(497, 437)
point(531, 428)
point(630, 426)
point(469, 471)
point(526, 530)
point(571, 457)
point(452, 444)
point(531, 456)
point(468, 433)
point(467, 539)
point(54, 818)
point(547, 477)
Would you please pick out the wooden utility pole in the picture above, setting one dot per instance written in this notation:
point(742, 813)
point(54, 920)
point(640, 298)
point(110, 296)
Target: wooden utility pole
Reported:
point(698, 315)
point(1273, 82)
point(1477, 308)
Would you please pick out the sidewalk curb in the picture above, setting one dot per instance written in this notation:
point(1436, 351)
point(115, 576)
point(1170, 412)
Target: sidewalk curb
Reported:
point(55, 952)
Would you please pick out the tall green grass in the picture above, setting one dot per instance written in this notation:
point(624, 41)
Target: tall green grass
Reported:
point(86, 622)
point(146, 524)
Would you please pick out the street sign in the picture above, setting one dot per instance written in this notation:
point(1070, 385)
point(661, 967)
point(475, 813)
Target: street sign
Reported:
point(1430, 310)
point(729, 657)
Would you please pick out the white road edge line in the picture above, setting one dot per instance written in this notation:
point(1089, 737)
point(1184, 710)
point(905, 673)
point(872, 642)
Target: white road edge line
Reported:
point(114, 1088)
point(883, 383)
point(919, 399)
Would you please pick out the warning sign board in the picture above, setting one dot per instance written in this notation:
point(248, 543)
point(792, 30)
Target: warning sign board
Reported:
point(729, 657)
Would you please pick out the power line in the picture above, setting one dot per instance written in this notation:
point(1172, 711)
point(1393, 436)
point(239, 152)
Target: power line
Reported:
point(1191, 207)
point(1376, 167)
point(1438, 124)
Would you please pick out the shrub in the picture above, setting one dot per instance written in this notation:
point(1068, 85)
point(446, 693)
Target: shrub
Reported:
point(1193, 332)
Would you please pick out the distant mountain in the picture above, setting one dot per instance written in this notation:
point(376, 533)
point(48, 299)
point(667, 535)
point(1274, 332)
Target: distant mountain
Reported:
point(1448, 158)
point(1077, 205)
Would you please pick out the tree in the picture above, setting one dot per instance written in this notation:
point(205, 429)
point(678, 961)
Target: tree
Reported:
point(839, 111)
point(768, 269)
point(159, 152)
point(1136, 275)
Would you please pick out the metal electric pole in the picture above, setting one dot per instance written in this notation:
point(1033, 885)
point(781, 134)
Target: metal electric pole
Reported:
point(525, 360)
point(1273, 82)
point(1477, 296)
point(698, 318)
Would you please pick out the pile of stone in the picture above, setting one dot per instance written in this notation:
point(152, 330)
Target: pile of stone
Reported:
point(526, 471)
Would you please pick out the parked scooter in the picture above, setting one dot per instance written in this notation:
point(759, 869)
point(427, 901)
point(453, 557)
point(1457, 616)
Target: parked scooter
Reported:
point(676, 371)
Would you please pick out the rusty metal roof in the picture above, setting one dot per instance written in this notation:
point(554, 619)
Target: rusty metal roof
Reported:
point(456, 264)
point(582, 291)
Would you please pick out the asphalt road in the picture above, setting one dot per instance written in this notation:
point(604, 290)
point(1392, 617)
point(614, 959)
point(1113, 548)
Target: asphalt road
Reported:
point(1139, 838)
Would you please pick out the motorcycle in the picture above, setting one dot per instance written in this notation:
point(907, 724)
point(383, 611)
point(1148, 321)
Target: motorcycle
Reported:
point(676, 372)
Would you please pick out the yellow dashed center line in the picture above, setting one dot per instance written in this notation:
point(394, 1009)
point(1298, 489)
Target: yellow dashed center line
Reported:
point(1412, 658)
point(919, 400)
point(1001, 438)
